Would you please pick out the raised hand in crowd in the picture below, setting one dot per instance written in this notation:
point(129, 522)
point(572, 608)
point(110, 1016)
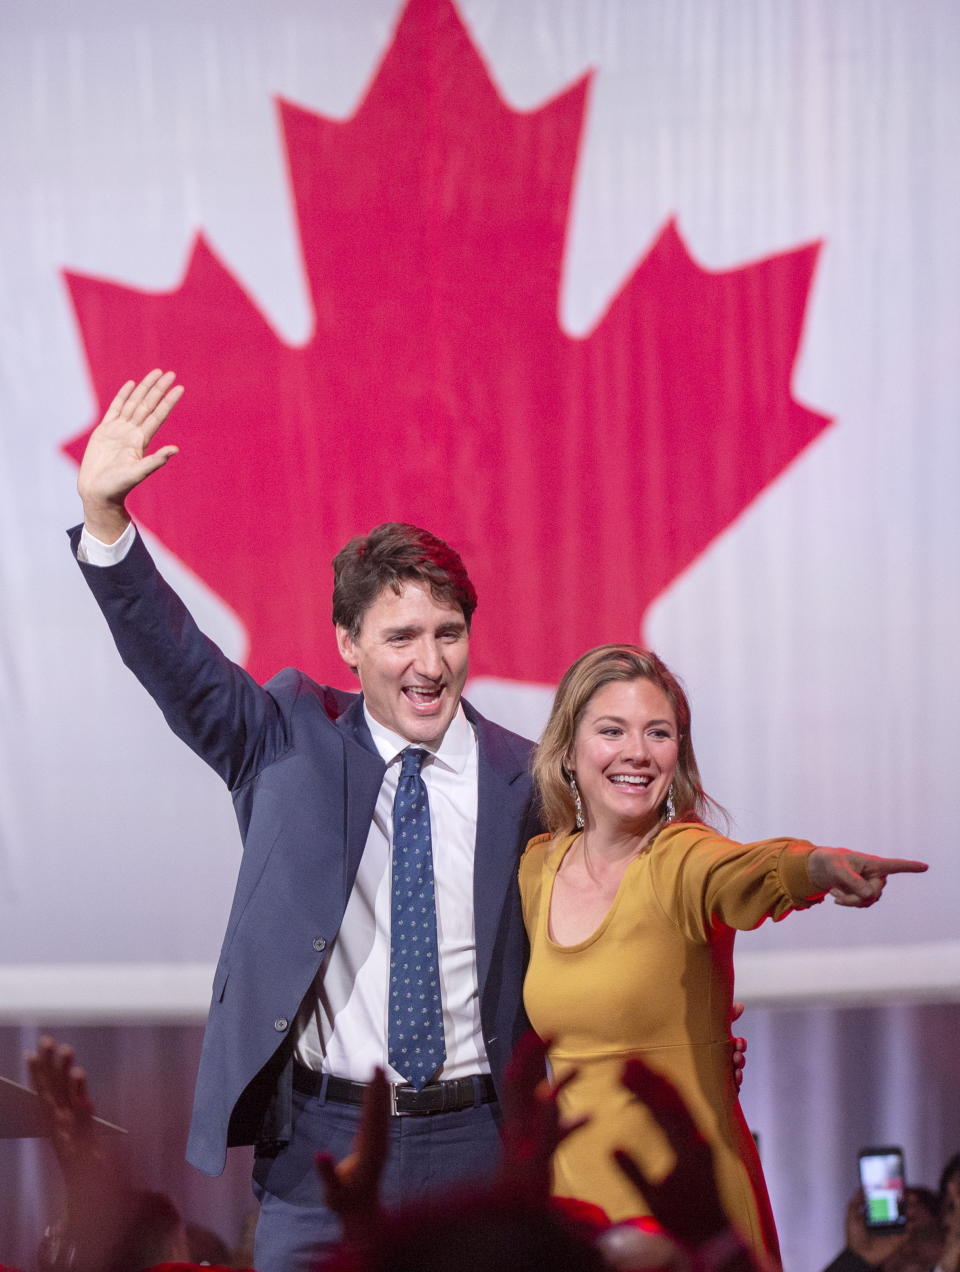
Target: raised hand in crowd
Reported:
point(873, 1247)
point(61, 1085)
point(915, 1249)
point(352, 1186)
point(116, 458)
point(686, 1201)
point(108, 1225)
point(95, 1196)
point(531, 1130)
point(81, 1152)
point(532, 1126)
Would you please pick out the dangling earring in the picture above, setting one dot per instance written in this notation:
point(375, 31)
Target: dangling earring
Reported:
point(575, 792)
point(671, 810)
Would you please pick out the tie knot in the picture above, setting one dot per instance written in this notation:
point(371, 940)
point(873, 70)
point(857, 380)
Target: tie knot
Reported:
point(413, 758)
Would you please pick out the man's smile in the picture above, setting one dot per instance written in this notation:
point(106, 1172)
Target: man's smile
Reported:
point(423, 698)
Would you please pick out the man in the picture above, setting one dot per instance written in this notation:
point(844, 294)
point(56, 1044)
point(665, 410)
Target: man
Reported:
point(335, 794)
point(298, 1017)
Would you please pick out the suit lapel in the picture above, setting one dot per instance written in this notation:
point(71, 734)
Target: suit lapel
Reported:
point(503, 798)
point(364, 770)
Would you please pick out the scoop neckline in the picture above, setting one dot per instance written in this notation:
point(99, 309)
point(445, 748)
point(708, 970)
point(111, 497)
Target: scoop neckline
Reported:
point(555, 864)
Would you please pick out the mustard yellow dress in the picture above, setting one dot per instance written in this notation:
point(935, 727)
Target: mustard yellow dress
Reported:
point(656, 980)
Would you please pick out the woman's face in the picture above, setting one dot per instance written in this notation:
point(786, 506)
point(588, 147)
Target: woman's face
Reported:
point(624, 755)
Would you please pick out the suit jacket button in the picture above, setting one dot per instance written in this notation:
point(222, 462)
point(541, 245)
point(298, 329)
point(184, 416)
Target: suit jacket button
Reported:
point(280, 1024)
point(319, 944)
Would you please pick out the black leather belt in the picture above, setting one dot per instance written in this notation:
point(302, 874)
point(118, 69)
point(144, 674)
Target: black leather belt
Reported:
point(435, 1097)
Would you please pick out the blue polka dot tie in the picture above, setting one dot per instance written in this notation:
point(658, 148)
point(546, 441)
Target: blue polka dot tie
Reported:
point(415, 1046)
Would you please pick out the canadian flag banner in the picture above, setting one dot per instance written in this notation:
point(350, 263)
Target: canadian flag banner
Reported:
point(650, 309)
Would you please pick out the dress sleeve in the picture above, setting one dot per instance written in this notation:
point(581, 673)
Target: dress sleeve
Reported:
point(701, 879)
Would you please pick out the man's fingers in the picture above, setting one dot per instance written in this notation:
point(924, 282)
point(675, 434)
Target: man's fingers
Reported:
point(150, 463)
point(159, 401)
point(118, 403)
point(166, 405)
point(156, 407)
point(136, 397)
point(147, 404)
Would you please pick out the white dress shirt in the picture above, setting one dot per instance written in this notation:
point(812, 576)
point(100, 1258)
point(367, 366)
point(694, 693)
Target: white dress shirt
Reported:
point(343, 1024)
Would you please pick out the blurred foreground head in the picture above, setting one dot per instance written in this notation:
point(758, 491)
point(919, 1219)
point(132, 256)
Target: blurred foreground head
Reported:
point(482, 1232)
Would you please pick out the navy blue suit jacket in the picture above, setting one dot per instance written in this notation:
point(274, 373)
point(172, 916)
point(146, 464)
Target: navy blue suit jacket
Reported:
point(304, 774)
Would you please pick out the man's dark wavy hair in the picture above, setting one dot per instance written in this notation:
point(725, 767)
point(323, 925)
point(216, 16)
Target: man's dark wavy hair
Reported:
point(389, 556)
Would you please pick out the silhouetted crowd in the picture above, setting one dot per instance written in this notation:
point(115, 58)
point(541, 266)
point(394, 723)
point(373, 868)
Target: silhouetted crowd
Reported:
point(110, 1225)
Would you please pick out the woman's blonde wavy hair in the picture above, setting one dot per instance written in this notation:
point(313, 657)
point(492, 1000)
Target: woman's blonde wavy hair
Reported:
point(594, 669)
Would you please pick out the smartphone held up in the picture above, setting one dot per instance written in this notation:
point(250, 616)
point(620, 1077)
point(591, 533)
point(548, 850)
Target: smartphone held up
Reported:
point(882, 1179)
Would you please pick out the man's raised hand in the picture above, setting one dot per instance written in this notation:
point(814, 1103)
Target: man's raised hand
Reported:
point(116, 459)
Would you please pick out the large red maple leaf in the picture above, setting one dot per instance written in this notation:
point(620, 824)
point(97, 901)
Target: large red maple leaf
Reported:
point(578, 477)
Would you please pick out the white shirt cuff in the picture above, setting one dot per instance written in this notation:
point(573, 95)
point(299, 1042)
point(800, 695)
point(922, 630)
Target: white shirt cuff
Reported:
point(92, 552)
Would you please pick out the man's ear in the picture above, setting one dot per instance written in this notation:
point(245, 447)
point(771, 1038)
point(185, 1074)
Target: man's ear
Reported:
point(347, 647)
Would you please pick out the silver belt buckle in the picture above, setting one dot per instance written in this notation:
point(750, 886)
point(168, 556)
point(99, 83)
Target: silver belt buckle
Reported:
point(394, 1111)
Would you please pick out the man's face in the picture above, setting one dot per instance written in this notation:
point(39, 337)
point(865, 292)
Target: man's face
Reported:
point(411, 657)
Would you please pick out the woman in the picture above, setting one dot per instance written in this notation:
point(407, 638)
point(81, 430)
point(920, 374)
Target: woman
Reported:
point(631, 905)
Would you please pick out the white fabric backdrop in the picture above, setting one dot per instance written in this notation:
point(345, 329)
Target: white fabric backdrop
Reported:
point(817, 635)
